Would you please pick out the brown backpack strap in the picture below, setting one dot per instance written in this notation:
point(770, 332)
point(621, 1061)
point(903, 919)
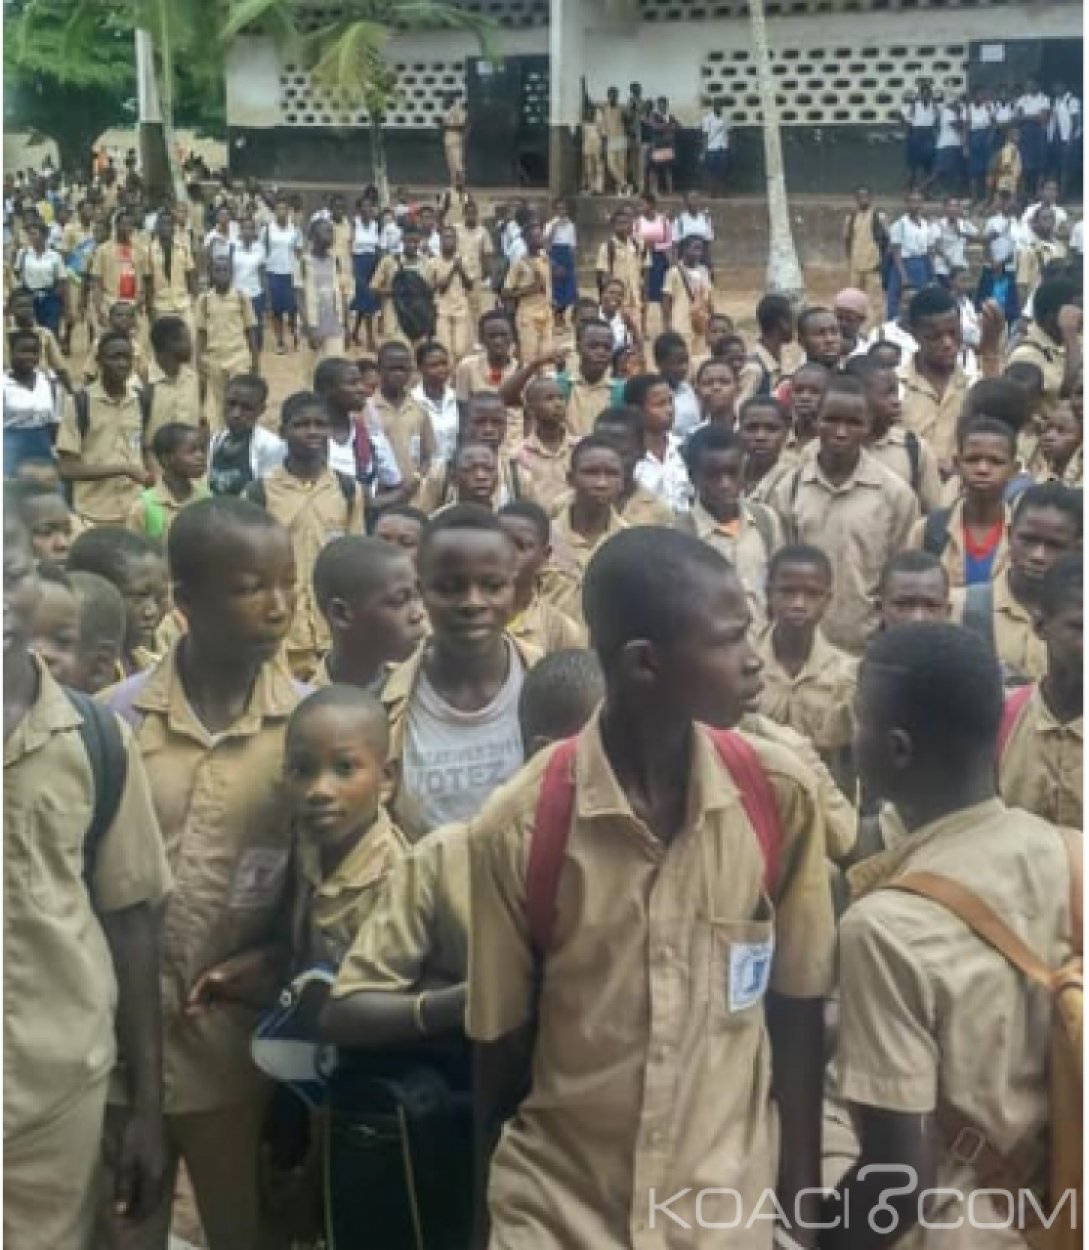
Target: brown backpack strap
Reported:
point(980, 917)
point(1075, 863)
point(966, 1142)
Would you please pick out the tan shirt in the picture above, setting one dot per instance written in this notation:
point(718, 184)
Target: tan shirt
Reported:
point(543, 472)
point(892, 451)
point(306, 283)
point(644, 507)
point(60, 993)
point(1041, 767)
point(454, 301)
point(922, 999)
point(409, 430)
point(416, 936)
point(171, 507)
point(818, 702)
point(174, 399)
point(859, 525)
point(314, 513)
point(954, 554)
point(743, 544)
point(170, 295)
point(760, 364)
point(572, 550)
point(109, 261)
point(332, 909)
point(643, 1001)
point(1020, 650)
point(226, 319)
point(932, 416)
point(382, 286)
point(764, 490)
point(689, 289)
point(224, 816)
point(863, 253)
point(585, 403)
point(625, 261)
point(535, 272)
point(114, 436)
point(475, 247)
point(1039, 349)
point(543, 626)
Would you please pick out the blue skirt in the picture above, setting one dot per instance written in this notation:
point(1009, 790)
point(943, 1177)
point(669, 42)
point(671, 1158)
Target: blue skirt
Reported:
point(281, 294)
point(48, 307)
point(920, 147)
point(33, 443)
point(565, 287)
point(656, 276)
point(363, 266)
point(949, 161)
point(1033, 146)
point(979, 153)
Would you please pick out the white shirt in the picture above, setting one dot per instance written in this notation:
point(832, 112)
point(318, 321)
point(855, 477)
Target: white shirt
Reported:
point(342, 457)
point(1001, 246)
point(561, 233)
point(948, 134)
point(246, 265)
point(366, 237)
point(1065, 116)
point(980, 116)
point(688, 225)
point(39, 272)
point(1077, 237)
point(281, 245)
point(1003, 113)
point(668, 478)
point(444, 419)
point(216, 244)
point(432, 245)
point(951, 240)
point(716, 131)
point(891, 332)
point(621, 333)
point(920, 115)
point(686, 410)
point(914, 238)
point(267, 451)
point(390, 239)
point(969, 322)
point(30, 408)
point(517, 249)
point(512, 232)
point(1061, 216)
point(1033, 107)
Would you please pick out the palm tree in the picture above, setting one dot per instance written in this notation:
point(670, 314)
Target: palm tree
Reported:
point(784, 272)
point(348, 57)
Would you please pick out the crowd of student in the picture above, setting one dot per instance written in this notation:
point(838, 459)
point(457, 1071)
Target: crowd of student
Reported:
point(528, 696)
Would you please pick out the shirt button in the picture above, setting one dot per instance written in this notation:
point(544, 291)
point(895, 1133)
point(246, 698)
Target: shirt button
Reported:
point(667, 952)
point(654, 1137)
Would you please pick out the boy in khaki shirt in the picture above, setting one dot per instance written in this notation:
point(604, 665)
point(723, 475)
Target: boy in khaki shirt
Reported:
point(80, 973)
point(544, 458)
point(922, 998)
point(535, 621)
point(209, 722)
point(1040, 764)
point(449, 278)
point(404, 422)
point(172, 394)
point(858, 512)
point(171, 275)
point(226, 338)
point(663, 949)
point(106, 455)
point(623, 259)
point(529, 284)
point(316, 505)
point(1053, 340)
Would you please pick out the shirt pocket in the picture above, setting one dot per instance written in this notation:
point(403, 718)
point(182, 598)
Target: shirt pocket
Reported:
point(741, 954)
point(56, 832)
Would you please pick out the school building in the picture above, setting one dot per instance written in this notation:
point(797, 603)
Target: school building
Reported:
point(841, 67)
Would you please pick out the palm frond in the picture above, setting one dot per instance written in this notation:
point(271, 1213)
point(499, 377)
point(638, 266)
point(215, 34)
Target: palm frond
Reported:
point(276, 17)
point(347, 59)
point(438, 15)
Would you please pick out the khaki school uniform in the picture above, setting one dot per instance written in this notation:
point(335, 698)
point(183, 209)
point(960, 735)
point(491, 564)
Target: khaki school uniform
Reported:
point(137, 519)
point(171, 295)
point(52, 358)
point(396, 696)
point(586, 401)
point(1032, 260)
point(929, 1012)
point(533, 317)
point(864, 259)
point(818, 701)
point(454, 123)
point(644, 507)
point(744, 545)
point(761, 365)
point(954, 554)
point(763, 491)
point(932, 416)
point(306, 286)
point(453, 313)
point(625, 260)
point(109, 261)
point(226, 319)
point(859, 525)
point(382, 286)
point(1039, 349)
point(411, 436)
point(648, 999)
point(690, 290)
point(571, 554)
point(226, 823)
point(1041, 766)
point(174, 399)
point(892, 451)
point(60, 991)
point(416, 936)
point(542, 470)
point(115, 435)
point(331, 909)
point(475, 247)
point(474, 376)
point(314, 513)
point(544, 626)
point(1019, 648)
point(439, 490)
point(614, 126)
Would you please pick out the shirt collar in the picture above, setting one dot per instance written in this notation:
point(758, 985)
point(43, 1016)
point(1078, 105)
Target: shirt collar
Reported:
point(51, 713)
point(364, 864)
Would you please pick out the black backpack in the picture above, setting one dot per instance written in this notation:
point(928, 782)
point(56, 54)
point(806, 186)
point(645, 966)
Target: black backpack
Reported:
point(82, 402)
point(101, 737)
point(414, 304)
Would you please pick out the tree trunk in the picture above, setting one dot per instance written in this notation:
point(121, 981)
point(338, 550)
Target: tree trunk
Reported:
point(378, 158)
point(154, 157)
point(784, 272)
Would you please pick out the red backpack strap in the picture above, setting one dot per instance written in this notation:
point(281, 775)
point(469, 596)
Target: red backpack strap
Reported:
point(743, 765)
point(551, 826)
point(362, 447)
point(1016, 702)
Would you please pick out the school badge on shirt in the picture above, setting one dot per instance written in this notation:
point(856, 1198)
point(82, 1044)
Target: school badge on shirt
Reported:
point(750, 971)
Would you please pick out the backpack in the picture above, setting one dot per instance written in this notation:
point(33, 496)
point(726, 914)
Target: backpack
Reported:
point(965, 1140)
point(101, 737)
point(555, 807)
point(413, 303)
point(764, 386)
point(915, 457)
point(936, 531)
point(82, 402)
point(1015, 704)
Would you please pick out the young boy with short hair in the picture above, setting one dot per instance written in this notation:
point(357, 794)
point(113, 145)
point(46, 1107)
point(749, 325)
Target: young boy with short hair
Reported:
point(764, 425)
point(102, 442)
point(747, 534)
point(448, 276)
point(716, 387)
point(54, 635)
point(535, 620)
point(494, 365)
point(688, 296)
point(80, 933)
point(847, 503)
point(529, 284)
point(603, 1017)
point(402, 526)
point(672, 361)
point(930, 705)
point(804, 393)
point(624, 426)
point(404, 422)
point(21, 316)
point(1041, 747)
point(590, 519)
point(808, 684)
point(914, 586)
point(1061, 441)
point(209, 722)
point(346, 845)
point(662, 470)
point(135, 565)
point(475, 475)
point(970, 538)
point(226, 338)
point(101, 632)
point(315, 505)
point(182, 455)
point(358, 447)
point(243, 451)
point(173, 388)
point(544, 458)
point(47, 517)
point(321, 292)
point(453, 704)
